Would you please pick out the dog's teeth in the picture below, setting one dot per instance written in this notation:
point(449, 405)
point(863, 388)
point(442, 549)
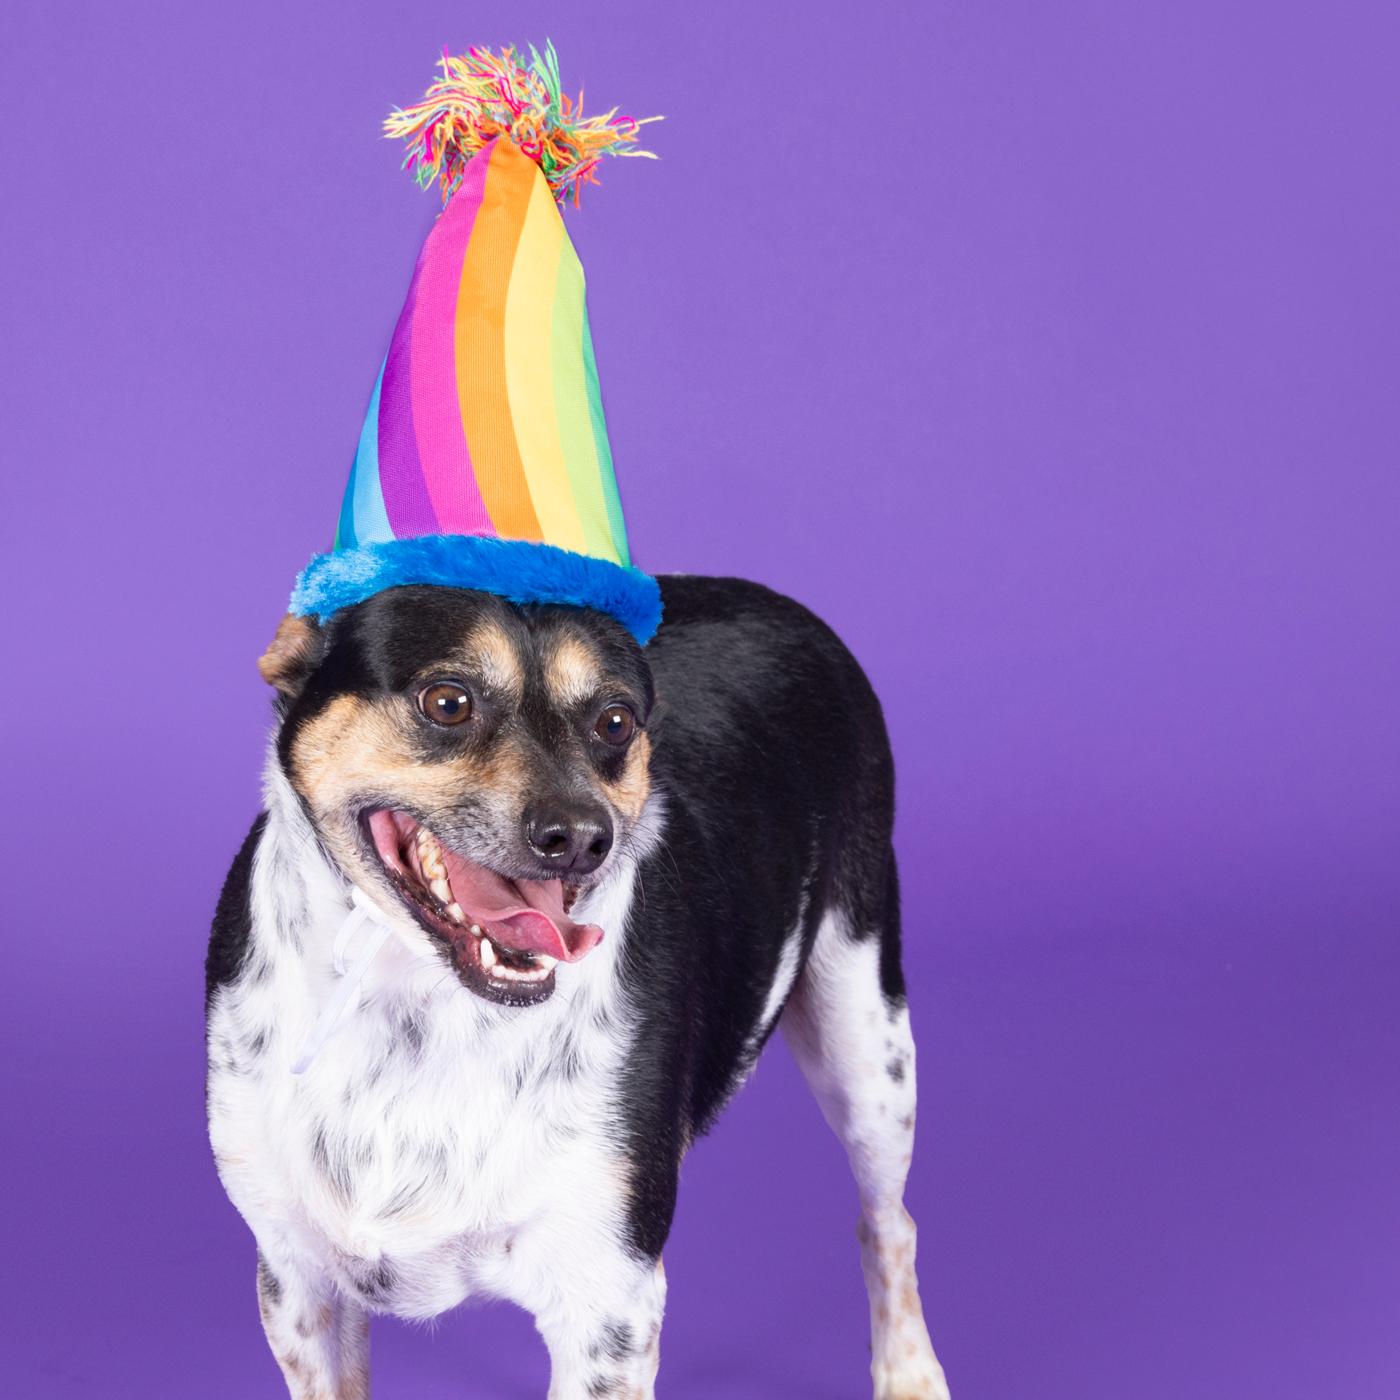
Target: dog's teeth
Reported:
point(488, 952)
point(476, 929)
point(430, 855)
point(456, 913)
point(442, 890)
point(545, 963)
point(519, 974)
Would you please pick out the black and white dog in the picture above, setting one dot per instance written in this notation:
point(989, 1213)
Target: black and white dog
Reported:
point(523, 907)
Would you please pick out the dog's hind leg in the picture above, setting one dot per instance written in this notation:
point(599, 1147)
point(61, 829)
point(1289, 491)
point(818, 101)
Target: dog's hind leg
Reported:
point(848, 1026)
point(319, 1336)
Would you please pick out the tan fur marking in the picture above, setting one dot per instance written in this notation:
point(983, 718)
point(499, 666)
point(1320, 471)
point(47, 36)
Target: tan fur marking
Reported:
point(356, 749)
point(320, 1321)
point(571, 673)
point(493, 654)
point(288, 655)
point(629, 793)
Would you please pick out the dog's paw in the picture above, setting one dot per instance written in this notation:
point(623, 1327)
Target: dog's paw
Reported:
point(904, 1365)
point(916, 1378)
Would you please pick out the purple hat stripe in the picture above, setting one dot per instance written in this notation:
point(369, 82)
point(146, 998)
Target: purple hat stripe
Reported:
point(437, 414)
point(400, 468)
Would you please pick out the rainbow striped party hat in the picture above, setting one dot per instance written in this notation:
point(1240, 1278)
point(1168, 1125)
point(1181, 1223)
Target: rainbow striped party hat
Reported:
point(484, 460)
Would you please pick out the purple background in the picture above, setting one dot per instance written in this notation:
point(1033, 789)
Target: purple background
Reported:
point(1050, 352)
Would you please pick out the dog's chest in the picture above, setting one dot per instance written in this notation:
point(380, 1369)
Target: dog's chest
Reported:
point(418, 1158)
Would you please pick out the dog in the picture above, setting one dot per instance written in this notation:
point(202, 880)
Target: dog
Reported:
point(562, 889)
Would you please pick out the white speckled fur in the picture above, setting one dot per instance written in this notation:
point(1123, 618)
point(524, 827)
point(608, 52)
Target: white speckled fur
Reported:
point(858, 1056)
point(434, 1132)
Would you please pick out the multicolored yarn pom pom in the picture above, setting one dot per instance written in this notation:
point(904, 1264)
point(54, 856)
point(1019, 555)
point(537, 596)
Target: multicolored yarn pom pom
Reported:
point(482, 95)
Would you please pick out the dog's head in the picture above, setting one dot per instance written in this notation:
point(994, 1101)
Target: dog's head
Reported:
point(476, 763)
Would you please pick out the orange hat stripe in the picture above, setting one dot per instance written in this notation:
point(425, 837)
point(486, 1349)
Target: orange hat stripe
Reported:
point(480, 342)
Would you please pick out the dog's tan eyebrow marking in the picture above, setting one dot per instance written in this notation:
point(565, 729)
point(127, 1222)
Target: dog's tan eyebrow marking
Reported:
point(493, 654)
point(572, 673)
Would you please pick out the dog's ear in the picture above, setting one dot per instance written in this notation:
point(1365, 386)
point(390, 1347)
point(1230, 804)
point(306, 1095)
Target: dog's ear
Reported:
point(293, 654)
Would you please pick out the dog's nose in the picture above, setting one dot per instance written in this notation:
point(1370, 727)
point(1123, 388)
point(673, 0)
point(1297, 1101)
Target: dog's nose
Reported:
point(573, 837)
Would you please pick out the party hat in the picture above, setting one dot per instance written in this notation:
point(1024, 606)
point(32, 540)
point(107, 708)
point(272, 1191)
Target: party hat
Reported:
point(484, 459)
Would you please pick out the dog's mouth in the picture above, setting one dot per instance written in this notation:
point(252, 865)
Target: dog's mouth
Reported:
point(505, 937)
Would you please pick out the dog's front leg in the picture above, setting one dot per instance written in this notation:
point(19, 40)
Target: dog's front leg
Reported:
point(603, 1330)
point(319, 1337)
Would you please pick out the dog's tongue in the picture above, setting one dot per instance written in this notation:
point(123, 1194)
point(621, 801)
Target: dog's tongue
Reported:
point(538, 925)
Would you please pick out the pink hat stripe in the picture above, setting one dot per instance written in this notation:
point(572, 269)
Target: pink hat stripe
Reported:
point(437, 413)
point(400, 468)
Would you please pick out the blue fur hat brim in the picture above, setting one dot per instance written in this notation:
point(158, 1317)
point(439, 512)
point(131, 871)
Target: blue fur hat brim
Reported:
point(519, 570)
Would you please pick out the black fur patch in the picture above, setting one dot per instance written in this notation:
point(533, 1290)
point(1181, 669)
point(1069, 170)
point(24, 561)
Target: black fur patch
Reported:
point(616, 1343)
point(771, 749)
point(233, 926)
point(410, 1034)
point(332, 1160)
point(378, 1282)
point(269, 1285)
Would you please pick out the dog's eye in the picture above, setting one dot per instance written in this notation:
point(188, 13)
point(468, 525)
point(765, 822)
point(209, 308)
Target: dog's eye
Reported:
point(615, 725)
point(445, 702)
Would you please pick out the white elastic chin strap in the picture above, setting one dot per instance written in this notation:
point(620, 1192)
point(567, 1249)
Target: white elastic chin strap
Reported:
point(362, 912)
